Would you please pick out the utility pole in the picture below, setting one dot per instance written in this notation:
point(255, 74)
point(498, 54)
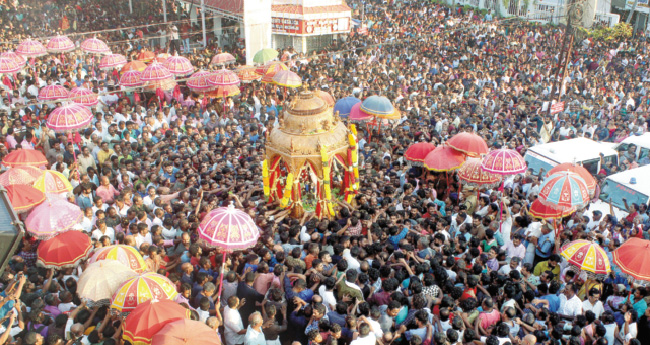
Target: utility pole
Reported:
point(629, 16)
point(565, 56)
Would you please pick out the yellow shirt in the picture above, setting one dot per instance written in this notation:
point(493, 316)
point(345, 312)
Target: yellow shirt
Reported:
point(103, 155)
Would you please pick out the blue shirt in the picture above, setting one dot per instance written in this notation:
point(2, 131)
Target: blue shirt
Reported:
point(544, 245)
point(304, 295)
point(553, 302)
point(394, 240)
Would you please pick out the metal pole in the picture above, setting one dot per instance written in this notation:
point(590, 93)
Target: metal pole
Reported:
point(205, 40)
point(565, 55)
point(629, 16)
point(131, 6)
point(164, 10)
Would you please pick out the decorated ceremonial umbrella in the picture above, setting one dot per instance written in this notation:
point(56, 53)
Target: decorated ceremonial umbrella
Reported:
point(590, 181)
point(380, 107)
point(21, 175)
point(269, 70)
point(140, 289)
point(95, 46)
point(52, 217)
point(198, 82)
point(324, 95)
point(416, 153)
point(179, 65)
point(24, 157)
point(344, 106)
point(587, 256)
point(223, 59)
point(223, 92)
point(60, 44)
point(539, 210)
point(247, 74)
point(154, 72)
point(633, 258)
point(504, 162)
point(131, 78)
point(162, 57)
point(357, 115)
point(265, 55)
point(472, 174)
point(64, 250)
point(229, 229)
point(31, 49)
point(52, 92)
point(146, 56)
point(287, 78)
point(101, 279)
point(53, 182)
point(126, 255)
point(9, 65)
point(185, 332)
point(111, 61)
point(20, 60)
point(23, 197)
point(444, 158)
point(71, 117)
point(564, 190)
point(133, 66)
point(163, 84)
point(470, 143)
point(83, 96)
point(223, 77)
point(149, 317)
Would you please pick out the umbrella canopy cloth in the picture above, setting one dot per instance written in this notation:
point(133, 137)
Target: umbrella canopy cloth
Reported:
point(539, 210)
point(83, 96)
point(23, 197)
point(223, 77)
point(590, 181)
point(150, 317)
point(154, 72)
point(21, 175)
point(417, 152)
point(265, 55)
point(378, 106)
point(101, 279)
point(471, 144)
point(71, 117)
point(52, 217)
point(178, 65)
point(9, 65)
point(229, 229)
point(185, 332)
point(587, 256)
point(633, 258)
point(198, 81)
point(112, 61)
point(444, 158)
point(64, 250)
point(126, 255)
point(60, 44)
point(287, 78)
point(223, 59)
point(344, 106)
point(52, 92)
point(31, 49)
point(134, 66)
point(564, 190)
point(22, 158)
point(53, 182)
point(140, 289)
point(504, 162)
point(131, 78)
point(357, 115)
point(247, 74)
point(472, 174)
point(95, 46)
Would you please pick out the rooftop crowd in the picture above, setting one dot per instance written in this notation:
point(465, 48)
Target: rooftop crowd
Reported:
point(409, 260)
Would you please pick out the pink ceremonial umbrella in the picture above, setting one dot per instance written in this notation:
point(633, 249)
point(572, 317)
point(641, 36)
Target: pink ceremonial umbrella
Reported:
point(178, 65)
point(154, 72)
point(51, 217)
point(18, 58)
point(31, 49)
point(223, 59)
point(198, 82)
point(131, 78)
point(9, 65)
point(223, 77)
point(60, 44)
point(111, 61)
point(83, 96)
point(52, 92)
point(162, 57)
point(95, 46)
point(229, 229)
point(71, 117)
point(504, 162)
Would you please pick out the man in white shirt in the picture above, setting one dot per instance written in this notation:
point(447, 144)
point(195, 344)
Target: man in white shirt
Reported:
point(570, 304)
point(233, 325)
point(366, 337)
point(593, 303)
point(254, 335)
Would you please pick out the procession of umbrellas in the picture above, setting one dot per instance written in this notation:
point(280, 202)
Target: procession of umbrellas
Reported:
point(564, 190)
point(116, 275)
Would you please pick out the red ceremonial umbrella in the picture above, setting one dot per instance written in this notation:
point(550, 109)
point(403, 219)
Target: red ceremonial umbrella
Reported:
point(590, 181)
point(185, 332)
point(64, 250)
point(270, 70)
point(229, 229)
point(21, 175)
point(149, 317)
point(633, 258)
point(23, 157)
point(223, 92)
point(472, 174)
point(146, 56)
point(133, 66)
point(247, 74)
point(587, 256)
point(564, 190)
point(539, 210)
point(471, 144)
point(23, 197)
point(416, 153)
point(444, 158)
point(357, 115)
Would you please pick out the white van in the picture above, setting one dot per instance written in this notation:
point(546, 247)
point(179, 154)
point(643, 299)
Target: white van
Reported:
point(641, 142)
point(582, 151)
point(633, 185)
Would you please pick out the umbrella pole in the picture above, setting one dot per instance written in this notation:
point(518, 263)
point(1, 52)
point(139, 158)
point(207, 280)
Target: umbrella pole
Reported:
point(223, 264)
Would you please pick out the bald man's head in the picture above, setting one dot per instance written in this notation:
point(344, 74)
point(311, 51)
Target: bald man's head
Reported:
point(77, 329)
point(529, 340)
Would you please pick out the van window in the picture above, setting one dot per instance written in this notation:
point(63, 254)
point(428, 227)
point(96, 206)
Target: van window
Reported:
point(591, 165)
point(643, 152)
point(617, 192)
point(536, 164)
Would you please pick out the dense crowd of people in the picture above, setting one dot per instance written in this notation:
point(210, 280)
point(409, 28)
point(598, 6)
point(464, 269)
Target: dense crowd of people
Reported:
point(410, 260)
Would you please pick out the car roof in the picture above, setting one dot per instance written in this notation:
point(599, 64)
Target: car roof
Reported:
point(638, 140)
point(642, 184)
point(572, 150)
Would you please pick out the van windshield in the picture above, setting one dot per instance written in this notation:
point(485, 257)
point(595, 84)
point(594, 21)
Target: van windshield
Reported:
point(536, 164)
point(617, 192)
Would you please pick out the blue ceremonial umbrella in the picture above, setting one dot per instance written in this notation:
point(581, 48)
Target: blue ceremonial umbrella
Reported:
point(344, 106)
point(379, 106)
